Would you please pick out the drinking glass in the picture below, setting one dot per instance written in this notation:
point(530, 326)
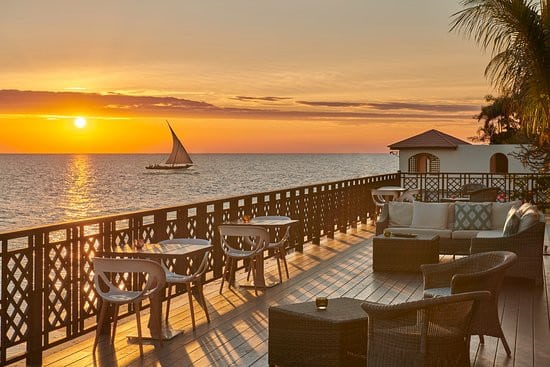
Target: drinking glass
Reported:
point(321, 303)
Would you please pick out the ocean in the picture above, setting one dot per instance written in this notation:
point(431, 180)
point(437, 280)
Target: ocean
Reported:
point(38, 190)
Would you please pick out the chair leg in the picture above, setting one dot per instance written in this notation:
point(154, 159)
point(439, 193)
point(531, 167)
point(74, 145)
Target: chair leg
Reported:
point(203, 300)
point(481, 339)
point(102, 313)
point(138, 319)
point(232, 272)
point(283, 254)
point(506, 347)
point(115, 321)
point(226, 268)
point(278, 257)
point(254, 276)
point(190, 295)
point(168, 301)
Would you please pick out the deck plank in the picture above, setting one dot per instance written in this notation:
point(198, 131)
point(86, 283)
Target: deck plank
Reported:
point(340, 267)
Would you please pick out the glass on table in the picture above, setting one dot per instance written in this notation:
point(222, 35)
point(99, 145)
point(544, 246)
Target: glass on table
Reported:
point(321, 303)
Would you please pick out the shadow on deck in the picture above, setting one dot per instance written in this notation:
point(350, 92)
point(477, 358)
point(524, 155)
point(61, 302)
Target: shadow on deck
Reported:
point(237, 334)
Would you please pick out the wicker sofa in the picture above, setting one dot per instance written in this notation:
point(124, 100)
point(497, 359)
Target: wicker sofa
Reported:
point(400, 217)
point(527, 243)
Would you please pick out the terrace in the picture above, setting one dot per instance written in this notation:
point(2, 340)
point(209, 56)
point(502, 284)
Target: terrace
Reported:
point(237, 334)
point(56, 307)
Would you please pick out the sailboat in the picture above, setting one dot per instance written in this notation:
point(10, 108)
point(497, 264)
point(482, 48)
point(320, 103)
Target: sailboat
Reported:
point(178, 159)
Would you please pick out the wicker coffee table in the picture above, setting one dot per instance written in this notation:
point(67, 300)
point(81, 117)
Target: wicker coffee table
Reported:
point(301, 335)
point(404, 254)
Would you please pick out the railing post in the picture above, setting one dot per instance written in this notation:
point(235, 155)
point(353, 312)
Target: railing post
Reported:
point(36, 304)
point(217, 253)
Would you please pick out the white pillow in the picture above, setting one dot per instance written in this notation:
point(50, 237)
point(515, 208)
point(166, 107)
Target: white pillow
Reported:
point(429, 215)
point(499, 212)
point(401, 214)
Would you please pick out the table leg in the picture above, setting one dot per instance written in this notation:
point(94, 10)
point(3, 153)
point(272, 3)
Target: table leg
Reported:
point(156, 329)
point(261, 282)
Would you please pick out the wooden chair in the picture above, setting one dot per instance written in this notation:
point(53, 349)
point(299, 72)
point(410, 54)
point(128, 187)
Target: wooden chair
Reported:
point(114, 295)
point(478, 272)
point(173, 278)
point(257, 236)
point(429, 332)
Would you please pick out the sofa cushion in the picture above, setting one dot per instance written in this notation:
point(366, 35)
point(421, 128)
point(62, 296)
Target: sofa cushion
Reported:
point(499, 213)
point(429, 215)
point(472, 216)
point(464, 234)
point(511, 225)
point(528, 218)
point(451, 216)
point(400, 214)
point(443, 233)
point(493, 233)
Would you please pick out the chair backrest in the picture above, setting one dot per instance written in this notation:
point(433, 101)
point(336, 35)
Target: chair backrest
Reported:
point(258, 235)
point(409, 195)
point(486, 194)
point(192, 241)
point(469, 187)
point(156, 279)
point(391, 328)
point(482, 271)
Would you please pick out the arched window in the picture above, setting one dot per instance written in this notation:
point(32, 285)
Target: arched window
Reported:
point(424, 163)
point(498, 163)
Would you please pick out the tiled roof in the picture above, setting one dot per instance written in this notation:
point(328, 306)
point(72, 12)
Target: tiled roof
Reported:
point(429, 139)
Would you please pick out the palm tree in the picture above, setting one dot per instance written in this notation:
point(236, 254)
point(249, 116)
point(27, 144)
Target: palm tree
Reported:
point(500, 123)
point(517, 32)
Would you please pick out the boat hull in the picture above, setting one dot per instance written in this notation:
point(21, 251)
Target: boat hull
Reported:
point(168, 166)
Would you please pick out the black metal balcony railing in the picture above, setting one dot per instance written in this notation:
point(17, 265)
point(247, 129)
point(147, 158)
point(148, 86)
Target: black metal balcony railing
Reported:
point(47, 294)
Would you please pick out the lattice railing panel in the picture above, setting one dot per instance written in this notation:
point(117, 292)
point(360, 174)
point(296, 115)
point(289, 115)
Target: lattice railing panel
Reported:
point(18, 276)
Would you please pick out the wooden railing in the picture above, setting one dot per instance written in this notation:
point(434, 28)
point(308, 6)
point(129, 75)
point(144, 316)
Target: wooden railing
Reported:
point(47, 294)
point(528, 187)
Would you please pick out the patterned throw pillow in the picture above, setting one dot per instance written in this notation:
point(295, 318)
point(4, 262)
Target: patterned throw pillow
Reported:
point(511, 226)
point(472, 216)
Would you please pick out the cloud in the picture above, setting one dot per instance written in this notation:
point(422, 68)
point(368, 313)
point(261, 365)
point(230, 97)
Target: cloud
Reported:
point(16, 101)
point(260, 99)
point(423, 107)
point(116, 105)
point(332, 104)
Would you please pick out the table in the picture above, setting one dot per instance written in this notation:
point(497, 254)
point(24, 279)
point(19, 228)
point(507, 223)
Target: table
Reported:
point(301, 335)
point(262, 282)
point(404, 254)
point(157, 252)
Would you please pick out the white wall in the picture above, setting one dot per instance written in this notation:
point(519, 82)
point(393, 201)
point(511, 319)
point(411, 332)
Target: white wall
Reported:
point(467, 158)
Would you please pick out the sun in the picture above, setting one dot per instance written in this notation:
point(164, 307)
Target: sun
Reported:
point(80, 122)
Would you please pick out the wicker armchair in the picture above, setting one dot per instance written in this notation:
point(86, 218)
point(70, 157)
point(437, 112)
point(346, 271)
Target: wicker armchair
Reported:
point(429, 332)
point(484, 195)
point(479, 272)
point(527, 244)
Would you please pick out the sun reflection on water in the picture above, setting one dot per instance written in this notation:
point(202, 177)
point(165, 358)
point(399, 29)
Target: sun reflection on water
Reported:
point(77, 202)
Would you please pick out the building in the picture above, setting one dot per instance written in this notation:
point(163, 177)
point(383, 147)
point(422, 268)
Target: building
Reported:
point(434, 151)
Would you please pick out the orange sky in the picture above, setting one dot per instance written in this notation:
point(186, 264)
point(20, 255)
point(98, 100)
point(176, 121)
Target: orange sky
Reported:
point(239, 76)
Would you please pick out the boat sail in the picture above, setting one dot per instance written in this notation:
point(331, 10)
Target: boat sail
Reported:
point(178, 159)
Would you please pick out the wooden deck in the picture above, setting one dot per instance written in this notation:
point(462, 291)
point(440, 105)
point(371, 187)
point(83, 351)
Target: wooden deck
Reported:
point(237, 334)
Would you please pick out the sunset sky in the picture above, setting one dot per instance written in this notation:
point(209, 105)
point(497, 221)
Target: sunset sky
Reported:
point(233, 76)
